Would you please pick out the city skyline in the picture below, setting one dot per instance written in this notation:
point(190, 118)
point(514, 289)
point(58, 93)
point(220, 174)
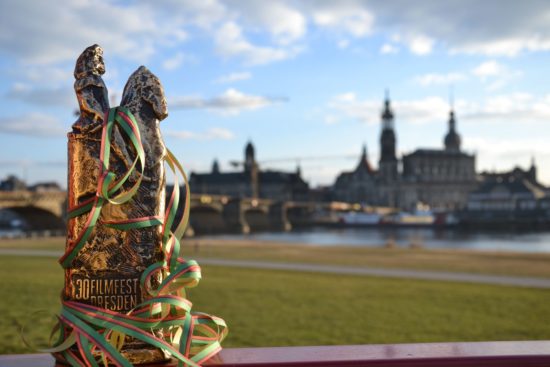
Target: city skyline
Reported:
point(300, 79)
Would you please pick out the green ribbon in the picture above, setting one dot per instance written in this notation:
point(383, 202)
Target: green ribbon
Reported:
point(164, 320)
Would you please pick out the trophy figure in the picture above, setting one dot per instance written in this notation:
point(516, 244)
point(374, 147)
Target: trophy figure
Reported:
point(106, 272)
point(124, 299)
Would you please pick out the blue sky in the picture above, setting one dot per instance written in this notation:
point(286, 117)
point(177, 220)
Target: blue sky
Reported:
point(300, 79)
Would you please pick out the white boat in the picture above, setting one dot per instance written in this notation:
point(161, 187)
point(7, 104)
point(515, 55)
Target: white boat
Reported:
point(360, 218)
point(416, 218)
point(421, 216)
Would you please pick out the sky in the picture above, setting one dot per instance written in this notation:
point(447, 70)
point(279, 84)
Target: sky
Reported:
point(303, 80)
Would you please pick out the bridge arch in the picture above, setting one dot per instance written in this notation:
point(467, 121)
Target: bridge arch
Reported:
point(35, 218)
point(257, 218)
point(207, 219)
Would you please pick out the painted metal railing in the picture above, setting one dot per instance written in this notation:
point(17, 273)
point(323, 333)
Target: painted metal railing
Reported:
point(475, 354)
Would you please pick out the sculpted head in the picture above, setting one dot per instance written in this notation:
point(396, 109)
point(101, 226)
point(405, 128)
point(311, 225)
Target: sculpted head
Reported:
point(90, 62)
point(144, 86)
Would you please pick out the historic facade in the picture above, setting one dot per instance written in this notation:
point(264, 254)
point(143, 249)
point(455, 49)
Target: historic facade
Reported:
point(513, 199)
point(440, 178)
point(359, 185)
point(251, 182)
point(503, 192)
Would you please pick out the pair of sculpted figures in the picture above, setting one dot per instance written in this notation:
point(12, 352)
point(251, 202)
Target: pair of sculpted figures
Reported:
point(124, 297)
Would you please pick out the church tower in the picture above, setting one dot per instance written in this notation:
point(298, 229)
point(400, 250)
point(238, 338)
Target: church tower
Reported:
point(452, 139)
point(249, 159)
point(215, 167)
point(387, 165)
point(251, 169)
point(532, 173)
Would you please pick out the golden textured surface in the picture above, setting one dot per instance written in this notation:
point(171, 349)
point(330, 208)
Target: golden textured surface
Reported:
point(104, 272)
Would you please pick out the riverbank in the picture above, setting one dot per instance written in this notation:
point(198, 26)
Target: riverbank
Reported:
point(452, 260)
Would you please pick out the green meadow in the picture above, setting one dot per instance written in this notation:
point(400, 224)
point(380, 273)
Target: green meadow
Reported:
point(276, 308)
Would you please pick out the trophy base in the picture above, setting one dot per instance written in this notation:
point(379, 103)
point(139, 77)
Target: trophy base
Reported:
point(137, 354)
point(145, 356)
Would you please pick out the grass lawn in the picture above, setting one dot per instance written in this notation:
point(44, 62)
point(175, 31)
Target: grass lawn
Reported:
point(484, 262)
point(275, 308)
point(46, 243)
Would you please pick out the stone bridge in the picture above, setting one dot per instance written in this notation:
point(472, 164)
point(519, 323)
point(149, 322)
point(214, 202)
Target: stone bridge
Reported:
point(209, 213)
point(40, 210)
point(218, 213)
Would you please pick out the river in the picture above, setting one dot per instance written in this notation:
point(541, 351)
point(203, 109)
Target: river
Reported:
point(406, 237)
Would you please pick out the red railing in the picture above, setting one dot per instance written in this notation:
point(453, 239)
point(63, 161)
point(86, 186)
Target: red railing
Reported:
point(481, 354)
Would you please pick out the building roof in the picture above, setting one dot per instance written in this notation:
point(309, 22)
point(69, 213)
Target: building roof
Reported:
point(515, 174)
point(264, 177)
point(364, 164)
point(513, 184)
point(422, 152)
point(279, 177)
point(219, 178)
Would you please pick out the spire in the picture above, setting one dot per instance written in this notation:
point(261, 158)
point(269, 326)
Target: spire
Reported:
point(249, 160)
point(387, 138)
point(532, 173)
point(215, 166)
point(298, 169)
point(249, 151)
point(364, 161)
point(387, 113)
point(452, 139)
point(452, 121)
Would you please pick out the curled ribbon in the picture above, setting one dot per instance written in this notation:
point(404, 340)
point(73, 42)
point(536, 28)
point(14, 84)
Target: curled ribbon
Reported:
point(88, 335)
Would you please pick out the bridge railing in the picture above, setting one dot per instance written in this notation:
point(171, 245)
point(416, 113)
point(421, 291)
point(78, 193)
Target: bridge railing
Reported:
point(477, 354)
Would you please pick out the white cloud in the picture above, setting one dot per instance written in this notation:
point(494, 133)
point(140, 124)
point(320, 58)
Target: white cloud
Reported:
point(33, 124)
point(491, 27)
point(505, 47)
point(214, 133)
point(388, 48)
point(517, 107)
point(284, 23)
point(139, 30)
point(347, 17)
point(203, 13)
point(54, 31)
point(46, 74)
point(345, 97)
point(234, 77)
point(487, 69)
point(421, 45)
point(220, 133)
point(420, 111)
point(231, 102)
point(343, 43)
point(439, 79)
point(495, 75)
point(331, 119)
point(42, 96)
point(174, 62)
point(230, 42)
